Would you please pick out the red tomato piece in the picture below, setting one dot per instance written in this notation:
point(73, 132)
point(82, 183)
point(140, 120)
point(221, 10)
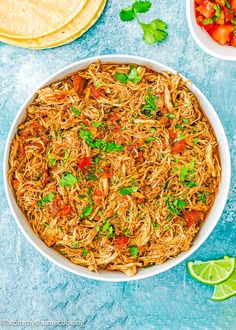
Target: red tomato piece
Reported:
point(233, 39)
point(120, 242)
point(113, 116)
point(221, 19)
point(220, 2)
point(65, 210)
point(199, 2)
point(96, 92)
point(221, 33)
point(172, 135)
point(233, 5)
point(78, 84)
point(98, 193)
point(191, 217)
point(45, 178)
point(206, 9)
point(85, 163)
point(207, 27)
point(178, 147)
point(200, 19)
point(84, 120)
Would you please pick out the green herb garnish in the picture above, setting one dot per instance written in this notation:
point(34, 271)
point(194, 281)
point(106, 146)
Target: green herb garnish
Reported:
point(46, 199)
point(150, 108)
point(134, 251)
point(75, 111)
point(133, 76)
point(93, 177)
point(153, 31)
point(52, 161)
point(103, 145)
point(86, 211)
point(169, 115)
point(128, 190)
point(75, 244)
point(84, 252)
point(68, 180)
point(175, 205)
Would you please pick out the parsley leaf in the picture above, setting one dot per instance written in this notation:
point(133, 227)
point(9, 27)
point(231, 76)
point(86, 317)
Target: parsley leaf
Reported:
point(46, 199)
point(169, 115)
point(175, 205)
point(127, 14)
point(154, 31)
point(202, 197)
point(128, 190)
point(84, 252)
point(141, 6)
point(68, 180)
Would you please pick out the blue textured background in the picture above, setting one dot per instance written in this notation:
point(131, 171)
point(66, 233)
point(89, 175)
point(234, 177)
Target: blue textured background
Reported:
point(31, 288)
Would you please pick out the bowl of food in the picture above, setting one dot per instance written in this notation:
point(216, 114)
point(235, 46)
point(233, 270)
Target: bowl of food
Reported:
point(213, 26)
point(116, 168)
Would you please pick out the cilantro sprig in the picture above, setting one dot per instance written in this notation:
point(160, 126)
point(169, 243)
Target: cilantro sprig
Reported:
point(133, 76)
point(153, 31)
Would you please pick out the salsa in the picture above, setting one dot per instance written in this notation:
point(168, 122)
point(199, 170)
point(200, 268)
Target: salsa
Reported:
point(218, 18)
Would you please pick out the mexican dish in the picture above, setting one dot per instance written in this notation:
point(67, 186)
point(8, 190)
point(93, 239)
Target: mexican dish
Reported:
point(115, 167)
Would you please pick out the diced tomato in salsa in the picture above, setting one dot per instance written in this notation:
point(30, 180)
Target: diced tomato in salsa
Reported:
point(65, 210)
point(78, 84)
point(216, 17)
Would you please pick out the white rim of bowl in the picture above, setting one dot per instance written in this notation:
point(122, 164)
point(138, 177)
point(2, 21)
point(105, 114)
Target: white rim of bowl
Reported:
point(199, 41)
point(118, 58)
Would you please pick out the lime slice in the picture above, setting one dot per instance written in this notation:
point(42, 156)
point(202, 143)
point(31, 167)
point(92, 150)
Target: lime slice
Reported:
point(212, 272)
point(225, 290)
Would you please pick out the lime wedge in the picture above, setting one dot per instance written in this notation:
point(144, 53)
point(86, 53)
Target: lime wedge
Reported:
point(212, 272)
point(225, 290)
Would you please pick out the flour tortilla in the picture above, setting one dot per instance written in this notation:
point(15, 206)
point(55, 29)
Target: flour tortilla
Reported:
point(74, 29)
point(25, 19)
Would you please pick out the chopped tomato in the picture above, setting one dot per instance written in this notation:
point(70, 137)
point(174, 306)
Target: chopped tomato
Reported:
point(220, 2)
point(172, 135)
point(85, 163)
point(233, 5)
point(221, 19)
point(199, 2)
point(45, 178)
point(191, 217)
point(84, 120)
point(139, 201)
point(120, 242)
point(65, 210)
point(206, 9)
point(62, 95)
point(221, 33)
point(233, 39)
point(78, 84)
point(178, 147)
point(108, 172)
point(207, 27)
point(98, 193)
point(24, 133)
point(113, 116)
point(140, 156)
point(96, 92)
point(200, 19)
point(228, 16)
point(15, 184)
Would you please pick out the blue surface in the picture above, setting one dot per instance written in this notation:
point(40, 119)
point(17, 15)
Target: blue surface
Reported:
point(31, 288)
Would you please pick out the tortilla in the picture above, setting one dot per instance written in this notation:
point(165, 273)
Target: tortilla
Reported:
point(74, 29)
point(23, 19)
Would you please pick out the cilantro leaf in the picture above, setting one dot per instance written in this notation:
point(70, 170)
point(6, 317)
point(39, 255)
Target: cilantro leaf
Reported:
point(68, 180)
point(153, 32)
point(134, 251)
point(46, 199)
point(128, 190)
point(86, 211)
point(169, 115)
point(93, 177)
point(75, 244)
point(175, 205)
point(84, 252)
point(207, 21)
point(141, 6)
point(134, 75)
point(127, 14)
point(52, 161)
point(121, 77)
point(150, 108)
point(75, 111)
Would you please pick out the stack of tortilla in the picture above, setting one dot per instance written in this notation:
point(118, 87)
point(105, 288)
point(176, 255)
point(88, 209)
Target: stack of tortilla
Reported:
point(46, 23)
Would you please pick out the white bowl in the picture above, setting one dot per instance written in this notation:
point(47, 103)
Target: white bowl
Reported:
point(204, 40)
point(212, 217)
